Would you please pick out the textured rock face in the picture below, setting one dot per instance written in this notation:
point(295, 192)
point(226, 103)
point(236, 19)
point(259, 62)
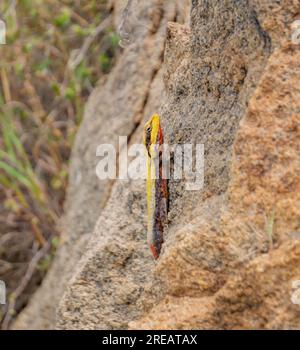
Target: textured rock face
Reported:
point(257, 239)
point(232, 251)
point(132, 92)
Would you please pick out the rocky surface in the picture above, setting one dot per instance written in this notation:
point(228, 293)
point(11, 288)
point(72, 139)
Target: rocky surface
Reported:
point(257, 242)
point(132, 92)
point(228, 79)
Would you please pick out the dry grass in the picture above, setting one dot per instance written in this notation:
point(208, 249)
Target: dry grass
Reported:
point(56, 51)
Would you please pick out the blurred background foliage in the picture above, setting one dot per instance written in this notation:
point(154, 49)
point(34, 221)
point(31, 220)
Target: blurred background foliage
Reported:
point(56, 52)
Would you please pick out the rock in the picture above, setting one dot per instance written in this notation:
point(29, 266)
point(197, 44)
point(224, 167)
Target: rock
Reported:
point(229, 81)
point(259, 260)
point(258, 297)
point(132, 91)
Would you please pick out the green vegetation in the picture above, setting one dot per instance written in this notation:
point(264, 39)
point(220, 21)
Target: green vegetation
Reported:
point(44, 84)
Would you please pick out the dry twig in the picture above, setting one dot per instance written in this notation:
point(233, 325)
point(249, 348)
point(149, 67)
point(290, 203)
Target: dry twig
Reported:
point(74, 62)
point(23, 284)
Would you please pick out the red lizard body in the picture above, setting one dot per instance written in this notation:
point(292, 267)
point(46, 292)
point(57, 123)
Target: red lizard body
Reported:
point(157, 193)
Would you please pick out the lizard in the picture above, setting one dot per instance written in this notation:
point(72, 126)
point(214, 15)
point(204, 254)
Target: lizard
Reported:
point(156, 186)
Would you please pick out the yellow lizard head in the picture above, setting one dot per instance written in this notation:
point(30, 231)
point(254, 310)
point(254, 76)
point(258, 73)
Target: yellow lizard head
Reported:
point(152, 133)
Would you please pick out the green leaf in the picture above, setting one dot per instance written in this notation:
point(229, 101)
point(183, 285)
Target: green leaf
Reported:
point(104, 62)
point(82, 72)
point(63, 19)
point(114, 39)
point(15, 174)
